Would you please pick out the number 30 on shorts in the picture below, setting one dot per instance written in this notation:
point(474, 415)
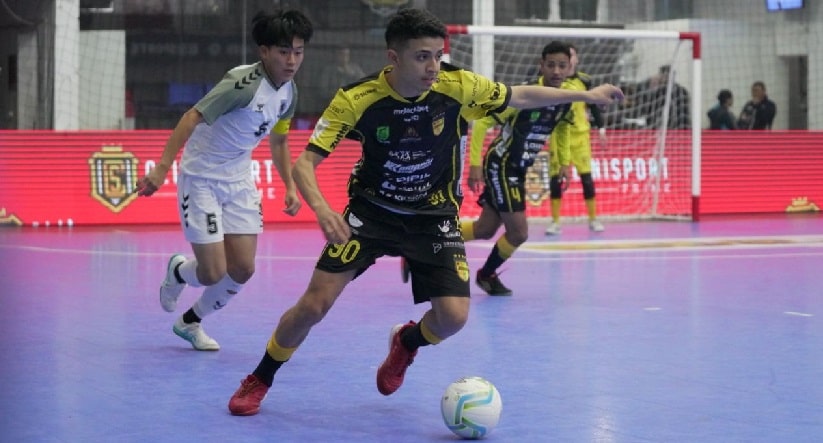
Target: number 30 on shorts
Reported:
point(346, 253)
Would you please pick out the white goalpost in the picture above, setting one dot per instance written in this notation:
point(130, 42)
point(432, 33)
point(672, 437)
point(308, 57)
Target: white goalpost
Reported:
point(648, 164)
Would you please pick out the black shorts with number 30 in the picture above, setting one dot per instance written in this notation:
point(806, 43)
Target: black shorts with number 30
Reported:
point(432, 245)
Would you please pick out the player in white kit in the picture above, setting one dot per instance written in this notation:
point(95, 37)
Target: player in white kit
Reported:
point(218, 201)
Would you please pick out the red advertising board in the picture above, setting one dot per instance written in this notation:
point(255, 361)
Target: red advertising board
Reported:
point(761, 172)
point(87, 177)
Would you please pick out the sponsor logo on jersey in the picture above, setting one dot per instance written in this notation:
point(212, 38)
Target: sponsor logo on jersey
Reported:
point(382, 134)
point(362, 94)
point(417, 109)
point(113, 177)
point(247, 79)
point(354, 222)
point(410, 135)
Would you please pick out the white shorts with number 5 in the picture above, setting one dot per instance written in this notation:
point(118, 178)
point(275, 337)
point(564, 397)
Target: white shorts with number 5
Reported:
point(211, 208)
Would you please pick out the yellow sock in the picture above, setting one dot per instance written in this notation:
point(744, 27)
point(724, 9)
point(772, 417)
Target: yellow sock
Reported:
point(556, 202)
point(504, 248)
point(428, 334)
point(277, 352)
point(467, 228)
point(591, 208)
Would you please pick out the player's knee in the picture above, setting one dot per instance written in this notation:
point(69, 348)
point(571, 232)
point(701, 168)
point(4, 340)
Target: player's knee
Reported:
point(482, 232)
point(242, 274)
point(311, 308)
point(555, 188)
point(517, 236)
point(588, 185)
point(454, 319)
point(209, 276)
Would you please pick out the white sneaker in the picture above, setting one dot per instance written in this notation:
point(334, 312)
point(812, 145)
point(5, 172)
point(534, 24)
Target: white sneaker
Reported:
point(194, 334)
point(553, 228)
point(170, 289)
point(596, 226)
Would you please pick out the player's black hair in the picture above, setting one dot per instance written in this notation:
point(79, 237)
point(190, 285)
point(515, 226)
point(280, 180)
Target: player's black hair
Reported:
point(724, 95)
point(412, 23)
point(280, 28)
point(556, 47)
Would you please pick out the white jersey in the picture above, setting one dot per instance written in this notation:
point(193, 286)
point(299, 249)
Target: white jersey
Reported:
point(238, 113)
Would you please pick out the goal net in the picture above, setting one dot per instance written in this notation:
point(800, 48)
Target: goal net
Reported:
point(646, 166)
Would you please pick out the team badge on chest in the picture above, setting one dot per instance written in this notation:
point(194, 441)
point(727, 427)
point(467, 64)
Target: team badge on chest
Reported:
point(437, 125)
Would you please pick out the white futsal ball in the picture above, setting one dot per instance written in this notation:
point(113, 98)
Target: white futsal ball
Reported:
point(471, 407)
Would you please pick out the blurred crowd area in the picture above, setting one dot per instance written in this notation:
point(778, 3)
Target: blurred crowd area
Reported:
point(176, 50)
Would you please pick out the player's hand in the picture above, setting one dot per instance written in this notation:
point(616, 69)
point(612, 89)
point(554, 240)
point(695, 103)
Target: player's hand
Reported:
point(605, 94)
point(334, 227)
point(476, 179)
point(602, 137)
point(565, 178)
point(293, 203)
point(149, 184)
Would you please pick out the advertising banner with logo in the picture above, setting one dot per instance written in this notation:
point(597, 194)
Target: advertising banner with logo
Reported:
point(56, 178)
point(88, 178)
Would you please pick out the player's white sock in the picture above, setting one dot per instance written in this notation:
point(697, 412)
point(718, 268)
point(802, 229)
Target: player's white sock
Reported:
point(216, 296)
point(188, 270)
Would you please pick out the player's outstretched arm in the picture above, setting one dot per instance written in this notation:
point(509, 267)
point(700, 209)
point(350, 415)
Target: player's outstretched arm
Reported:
point(534, 96)
point(334, 227)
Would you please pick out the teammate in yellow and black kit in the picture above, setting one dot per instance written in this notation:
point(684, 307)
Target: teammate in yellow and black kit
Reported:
point(411, 120)
point(522, 136)
point(581, 152)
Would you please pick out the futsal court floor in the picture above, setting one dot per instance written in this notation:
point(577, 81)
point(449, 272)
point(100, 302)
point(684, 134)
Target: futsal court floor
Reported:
point(647, 332)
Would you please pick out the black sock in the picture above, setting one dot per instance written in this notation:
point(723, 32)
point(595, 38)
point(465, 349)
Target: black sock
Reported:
point(492, 263)
point(191, 317)
point(266, 369)
point(177, 274)
point(412, 338)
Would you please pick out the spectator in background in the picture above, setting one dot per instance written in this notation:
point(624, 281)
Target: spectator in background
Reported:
point(759, 112)
point(651, 94)
point(720, 116)
point(341, 72)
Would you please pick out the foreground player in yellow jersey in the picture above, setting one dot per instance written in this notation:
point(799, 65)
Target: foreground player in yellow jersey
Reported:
point(523, 135)
point(410, 119)
point(581, 152)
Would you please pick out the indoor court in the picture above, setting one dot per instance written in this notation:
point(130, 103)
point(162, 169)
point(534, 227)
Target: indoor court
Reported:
point(647, 332)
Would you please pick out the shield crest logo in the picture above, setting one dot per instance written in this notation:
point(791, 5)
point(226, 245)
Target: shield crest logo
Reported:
point(113, 176)
point(462, 267)
point(382, 133)
point(437, 125)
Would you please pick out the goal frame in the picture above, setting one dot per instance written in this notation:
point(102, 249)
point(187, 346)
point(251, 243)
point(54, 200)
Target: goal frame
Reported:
point(696, 74)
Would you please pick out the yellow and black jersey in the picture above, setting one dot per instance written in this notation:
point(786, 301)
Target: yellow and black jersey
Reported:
point(584, 114)
point(523, 132)
point(413, 149)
